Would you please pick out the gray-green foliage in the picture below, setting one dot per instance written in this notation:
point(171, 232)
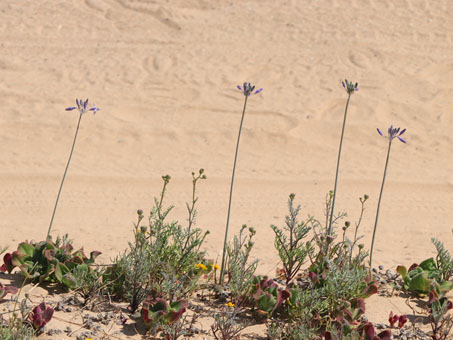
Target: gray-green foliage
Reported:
point(300, 330)
point(288, 241)
point(444, 260)
point(20, 331)
point(228, 323)
point(162, 254)
point(240, 269)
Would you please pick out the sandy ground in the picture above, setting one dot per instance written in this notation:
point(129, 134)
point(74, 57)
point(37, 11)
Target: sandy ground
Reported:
point(164, 74)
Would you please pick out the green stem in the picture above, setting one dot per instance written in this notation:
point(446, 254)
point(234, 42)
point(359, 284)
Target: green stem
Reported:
point(379, 204)
point(222, 269)
point(338, 166)
point(64, 176)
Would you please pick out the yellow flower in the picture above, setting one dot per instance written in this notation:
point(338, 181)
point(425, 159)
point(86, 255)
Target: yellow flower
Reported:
point(88, 339)
point(201, 266)
point(216, 267)
point(230, 304)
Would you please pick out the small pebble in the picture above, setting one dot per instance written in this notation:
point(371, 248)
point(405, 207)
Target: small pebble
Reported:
point(374, 270)
point(381, 267)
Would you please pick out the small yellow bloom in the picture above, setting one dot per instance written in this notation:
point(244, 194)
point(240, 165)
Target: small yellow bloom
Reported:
point(201, 266)
point(88, 339)
point(216, 267)
point(230, 304)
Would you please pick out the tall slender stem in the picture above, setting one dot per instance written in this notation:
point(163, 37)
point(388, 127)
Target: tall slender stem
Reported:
point(222, 269)
point(64, 176)
point(379, 203)
point(338, 166)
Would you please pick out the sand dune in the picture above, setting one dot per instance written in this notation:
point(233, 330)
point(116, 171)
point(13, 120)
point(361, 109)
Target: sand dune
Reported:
point(164, 74)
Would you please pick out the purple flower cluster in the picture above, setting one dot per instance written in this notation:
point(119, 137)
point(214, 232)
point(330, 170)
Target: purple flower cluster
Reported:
point(247, 89)
point(392, 133)
point(82, 106)
point(349, 86)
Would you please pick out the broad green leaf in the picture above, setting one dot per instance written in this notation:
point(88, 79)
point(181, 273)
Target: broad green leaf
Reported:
point(428, 265)
point(402, 271)
point(420, 283)
point(25, 248)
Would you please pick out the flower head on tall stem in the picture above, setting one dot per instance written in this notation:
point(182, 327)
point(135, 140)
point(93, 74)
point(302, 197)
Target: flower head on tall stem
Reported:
point(350, 88)
point(82, 107)
point(247, 89)
point(391, 135)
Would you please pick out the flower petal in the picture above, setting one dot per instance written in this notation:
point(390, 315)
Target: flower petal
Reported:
point(404, 130)
point(258, 91)
point(380, 132)
point(401, 139)
point(70, 108)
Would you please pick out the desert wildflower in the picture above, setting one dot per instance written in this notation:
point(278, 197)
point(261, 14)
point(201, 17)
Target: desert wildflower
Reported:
point(230, 304)
point(350, 88)
point(201, 266)
point(216, 267)
point(392, 134)
point(247, 90)
point(82, 107)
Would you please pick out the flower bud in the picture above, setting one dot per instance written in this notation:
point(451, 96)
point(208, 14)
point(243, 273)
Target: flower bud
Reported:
point(140, 212)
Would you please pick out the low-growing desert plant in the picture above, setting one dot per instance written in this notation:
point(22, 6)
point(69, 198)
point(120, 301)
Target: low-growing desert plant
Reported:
point(267, 296)
point(50, 261)
point(391, 135)
point(161, 261)
point(158, 312)
point(444, 261)
point(288, 241)
point(240, 269)
point(82, 107)
point(228, 323)
point(440, 319)
point(247, 89)
point(40, 316)
point(424, 277)
point(4, 290)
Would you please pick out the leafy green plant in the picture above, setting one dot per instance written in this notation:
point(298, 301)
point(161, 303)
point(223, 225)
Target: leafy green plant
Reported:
point(240, 269)
point(291, 250)
point(423, 278)
point(441, 321)
point(40, 316)
point(158, 312)
point(49, 261)
point(267, 297)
